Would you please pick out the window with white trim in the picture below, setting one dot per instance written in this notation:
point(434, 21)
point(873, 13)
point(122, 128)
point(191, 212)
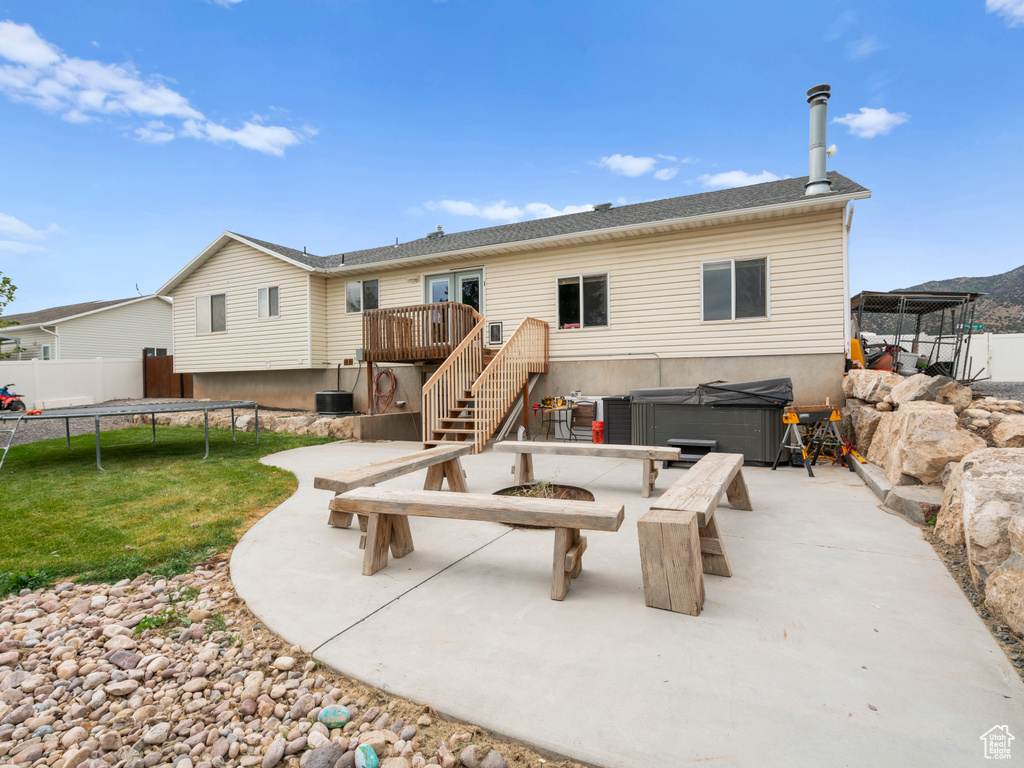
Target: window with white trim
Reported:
point(582, 301)
point(212, 313)
point(361, 295)
point(47, 352)
point(734, 289)
point(268, 301)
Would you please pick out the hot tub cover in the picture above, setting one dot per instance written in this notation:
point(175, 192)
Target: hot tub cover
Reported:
point(760, 392)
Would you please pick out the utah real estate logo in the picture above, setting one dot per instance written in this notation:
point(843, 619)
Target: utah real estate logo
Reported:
point(997, 742)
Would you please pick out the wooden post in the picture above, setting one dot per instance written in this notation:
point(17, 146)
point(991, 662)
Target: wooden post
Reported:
point(378, 541)
point(401, 536)
point(526, 404)
point(560, 577)
point(670, 558)
point(712, 553)
point(736, 492)
point(649, 476)
point(369, 387)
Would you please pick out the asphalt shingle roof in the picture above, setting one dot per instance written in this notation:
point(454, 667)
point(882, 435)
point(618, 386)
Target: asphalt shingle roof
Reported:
point(54, 314)
point(703, 204)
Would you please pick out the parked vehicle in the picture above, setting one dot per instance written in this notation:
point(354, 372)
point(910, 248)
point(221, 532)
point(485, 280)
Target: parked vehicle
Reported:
point(10, 401)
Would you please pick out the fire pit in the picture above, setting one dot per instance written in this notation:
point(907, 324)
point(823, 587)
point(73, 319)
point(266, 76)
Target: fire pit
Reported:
point(544, 490)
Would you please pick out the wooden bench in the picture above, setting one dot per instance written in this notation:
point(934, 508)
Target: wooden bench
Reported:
point(388, 525)
point(679, 537)
point(441, 463)
point(522, 470)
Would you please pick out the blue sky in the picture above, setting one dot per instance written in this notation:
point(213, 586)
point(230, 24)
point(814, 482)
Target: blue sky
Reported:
point(132, 132)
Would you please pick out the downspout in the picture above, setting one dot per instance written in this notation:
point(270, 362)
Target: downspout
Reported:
point(847, 322)
point(56, 345)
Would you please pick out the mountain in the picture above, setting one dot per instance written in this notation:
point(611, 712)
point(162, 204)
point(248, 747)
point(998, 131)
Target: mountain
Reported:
point(1001, 309)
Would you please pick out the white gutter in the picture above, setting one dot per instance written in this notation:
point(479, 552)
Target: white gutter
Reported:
point(593, 233)
point(56, 336)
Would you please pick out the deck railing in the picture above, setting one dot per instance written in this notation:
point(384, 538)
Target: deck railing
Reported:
point(497, 388)
point(453, 380)
point(418, 332)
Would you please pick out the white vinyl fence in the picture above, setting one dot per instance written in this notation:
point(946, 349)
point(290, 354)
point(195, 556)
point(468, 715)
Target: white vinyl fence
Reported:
point(1000, 354)
point(58, 383)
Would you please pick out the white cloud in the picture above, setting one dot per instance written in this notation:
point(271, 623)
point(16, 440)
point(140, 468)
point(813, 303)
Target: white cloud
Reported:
point(16, 228)
point(842, 24)
point(665, 174)
point(627, 165)
point(82, 90)
point(1012, 11)
point(227, 3)
point(859, 49)
point(670, 158)
point(872, 122)
point(20, 248)
point(155, 132)
point(736, 179)
point(502, 211)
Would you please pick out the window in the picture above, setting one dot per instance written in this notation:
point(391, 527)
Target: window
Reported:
point(582, 301)
point(268, 302)
point(47, 353)
point(736, 289)
point(156, 352)
point(211, 313)
point(362, 294)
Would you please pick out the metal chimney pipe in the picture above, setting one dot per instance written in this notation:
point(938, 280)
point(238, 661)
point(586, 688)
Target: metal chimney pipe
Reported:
point(818, 182)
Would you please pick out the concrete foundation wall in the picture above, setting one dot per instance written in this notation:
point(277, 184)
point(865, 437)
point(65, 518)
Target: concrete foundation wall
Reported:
point(815, 377)
point(297, 388)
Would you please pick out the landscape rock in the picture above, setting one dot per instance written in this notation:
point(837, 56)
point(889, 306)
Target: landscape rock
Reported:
point(940, 389)
point(949, 522)
point(914, 444)
point(990, 492)
point(1009, 432)
point(869, 386)
point(918, 503)
point(859, 423)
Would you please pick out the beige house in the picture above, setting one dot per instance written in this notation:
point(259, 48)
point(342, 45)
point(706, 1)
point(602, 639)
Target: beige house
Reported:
point(112, 329)
point(733, 284)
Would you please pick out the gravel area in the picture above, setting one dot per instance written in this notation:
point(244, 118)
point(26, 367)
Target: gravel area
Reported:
point(1004, 390)
point(177, 671)
point(46, 429)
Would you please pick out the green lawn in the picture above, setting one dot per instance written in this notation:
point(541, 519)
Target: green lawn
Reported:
point(158, 507)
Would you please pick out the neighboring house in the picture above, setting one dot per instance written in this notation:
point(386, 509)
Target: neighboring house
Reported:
point(112, 329)
point(727, 285)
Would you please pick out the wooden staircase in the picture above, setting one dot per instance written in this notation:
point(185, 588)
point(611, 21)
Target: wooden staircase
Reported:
point(470, 394)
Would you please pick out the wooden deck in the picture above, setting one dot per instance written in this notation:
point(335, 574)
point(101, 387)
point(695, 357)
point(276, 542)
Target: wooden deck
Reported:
point(417, 333)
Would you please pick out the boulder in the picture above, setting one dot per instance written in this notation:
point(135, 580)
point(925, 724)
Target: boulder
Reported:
point(329, 427)
point(990, 492)
point(295, 424)
point(917, 503)
point(940, 389)
point(859, 423)
point(1009, 432)
point(949, 523)
point(914, 443)
point(869, 386)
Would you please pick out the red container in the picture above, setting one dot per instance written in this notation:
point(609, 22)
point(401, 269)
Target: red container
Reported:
point(598, 429)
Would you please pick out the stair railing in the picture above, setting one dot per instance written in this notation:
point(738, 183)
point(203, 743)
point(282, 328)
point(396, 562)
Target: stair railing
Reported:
point(453, 379)
point(503, 380)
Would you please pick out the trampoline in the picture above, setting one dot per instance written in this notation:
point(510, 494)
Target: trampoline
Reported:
point(95, 412)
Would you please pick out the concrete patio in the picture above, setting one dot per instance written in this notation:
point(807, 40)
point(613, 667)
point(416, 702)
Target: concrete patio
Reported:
point(839, 640)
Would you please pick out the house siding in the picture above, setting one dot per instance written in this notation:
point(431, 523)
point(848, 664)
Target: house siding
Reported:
point(318, 319)
point(31, 341)
point(248, 344)
point(117, 332)
point(654, 292)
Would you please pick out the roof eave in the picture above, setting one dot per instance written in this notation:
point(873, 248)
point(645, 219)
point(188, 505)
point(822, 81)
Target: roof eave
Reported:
point(597, 233)
point(167, 288)
point(90, 312)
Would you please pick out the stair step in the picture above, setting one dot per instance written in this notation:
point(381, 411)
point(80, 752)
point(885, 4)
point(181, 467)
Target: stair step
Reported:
point(454, 431)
